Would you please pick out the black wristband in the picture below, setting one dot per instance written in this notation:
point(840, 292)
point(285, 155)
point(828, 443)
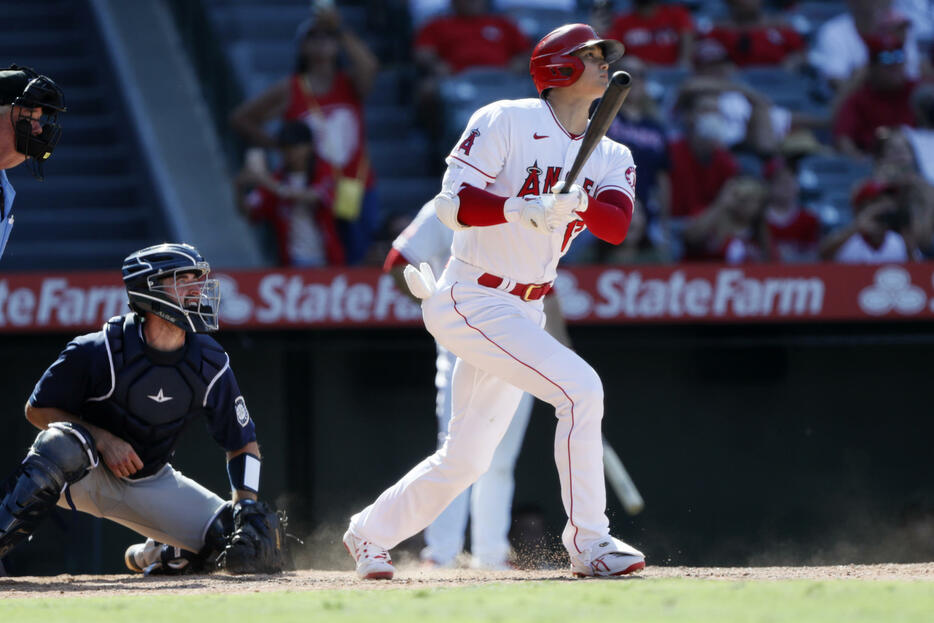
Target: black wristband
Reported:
point(243, 472)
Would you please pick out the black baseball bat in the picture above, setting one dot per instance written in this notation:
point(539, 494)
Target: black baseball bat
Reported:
point(613, 97)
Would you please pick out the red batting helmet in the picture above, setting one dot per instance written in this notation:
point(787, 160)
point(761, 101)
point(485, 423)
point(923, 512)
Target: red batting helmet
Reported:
point(553, 62)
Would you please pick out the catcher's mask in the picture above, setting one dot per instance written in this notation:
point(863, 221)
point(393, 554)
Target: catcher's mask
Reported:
point(171, 281)
point(27, 91)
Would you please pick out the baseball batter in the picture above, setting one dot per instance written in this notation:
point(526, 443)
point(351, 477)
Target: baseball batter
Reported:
point(111, 409)
point(488, 502)
point(510, 229)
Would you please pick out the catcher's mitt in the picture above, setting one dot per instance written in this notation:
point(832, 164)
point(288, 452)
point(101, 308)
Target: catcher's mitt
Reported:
point(258, 542)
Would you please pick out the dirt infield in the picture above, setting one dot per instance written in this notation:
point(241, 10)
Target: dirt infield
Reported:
point(417, 577)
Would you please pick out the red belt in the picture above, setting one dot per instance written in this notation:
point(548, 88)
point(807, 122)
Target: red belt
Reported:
point(525, 291)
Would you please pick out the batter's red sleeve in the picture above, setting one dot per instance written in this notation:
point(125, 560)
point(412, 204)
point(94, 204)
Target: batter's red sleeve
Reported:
point(394, 258)
point(479, 208)
point(608, 216)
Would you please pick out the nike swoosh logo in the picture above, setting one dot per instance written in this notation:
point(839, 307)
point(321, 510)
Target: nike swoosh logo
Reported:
point(536, 136)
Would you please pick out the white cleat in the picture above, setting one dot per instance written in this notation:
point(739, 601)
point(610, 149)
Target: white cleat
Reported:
point(139, 556)
point(607, 558)
point(373, 562)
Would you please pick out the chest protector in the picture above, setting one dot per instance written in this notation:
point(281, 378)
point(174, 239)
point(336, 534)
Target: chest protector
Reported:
point(154, 395)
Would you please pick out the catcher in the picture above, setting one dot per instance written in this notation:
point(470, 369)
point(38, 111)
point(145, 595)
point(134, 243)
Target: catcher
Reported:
point(111, 409)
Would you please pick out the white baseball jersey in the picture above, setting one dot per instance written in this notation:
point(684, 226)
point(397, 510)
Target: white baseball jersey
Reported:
point(426, 239)
point(515, 148)
point(512, 149)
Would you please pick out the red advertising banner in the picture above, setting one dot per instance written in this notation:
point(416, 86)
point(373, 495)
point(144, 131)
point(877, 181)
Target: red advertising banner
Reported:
point(685, 293)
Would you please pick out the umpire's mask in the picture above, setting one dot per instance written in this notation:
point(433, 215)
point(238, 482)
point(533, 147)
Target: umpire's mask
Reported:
point(26, 90)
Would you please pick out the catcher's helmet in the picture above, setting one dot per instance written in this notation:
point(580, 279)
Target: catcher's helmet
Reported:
point(150, 276)
point(24, 87)
point(553, 62)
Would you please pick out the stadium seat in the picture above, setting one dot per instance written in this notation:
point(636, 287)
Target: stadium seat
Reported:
point(809, 15)
point(483, 84)
point(832, 209)
point(785, 88)
point(821, 174)
point(537, 22)
point(97, 203)
point(405, 195)
point(663, 82)
point(388, 122)
point(826, 184)
point(399, 157)
point(258, 22)
point(471, 89)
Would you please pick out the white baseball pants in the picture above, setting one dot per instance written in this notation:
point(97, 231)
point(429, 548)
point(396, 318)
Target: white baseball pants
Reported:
point(502, 351)
point(488, 502)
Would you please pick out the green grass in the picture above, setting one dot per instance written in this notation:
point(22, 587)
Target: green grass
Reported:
point(639, 601)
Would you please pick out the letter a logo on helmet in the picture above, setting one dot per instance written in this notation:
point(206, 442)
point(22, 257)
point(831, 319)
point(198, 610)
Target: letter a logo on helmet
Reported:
point(553, 62)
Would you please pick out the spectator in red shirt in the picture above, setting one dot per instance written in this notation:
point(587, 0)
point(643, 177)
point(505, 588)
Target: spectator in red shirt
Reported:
point(752, 39)
point(330, 100)
point(732, 229)
point(470, 37)
point(794, 232)
point(296, 200)
point(882, 98)
point(658, 33)
point(700, 164)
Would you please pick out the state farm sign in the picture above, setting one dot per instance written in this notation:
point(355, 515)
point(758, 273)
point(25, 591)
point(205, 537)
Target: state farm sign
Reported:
point(755, 293)
point(730, 293)
point(295, 299)
point(314, 298)
point(30, 302)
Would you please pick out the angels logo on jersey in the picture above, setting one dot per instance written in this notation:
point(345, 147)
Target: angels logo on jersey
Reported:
point(467, 145)
point(533, 184)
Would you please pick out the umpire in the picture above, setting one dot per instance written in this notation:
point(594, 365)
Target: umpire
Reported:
point(111, 409)
point(29, 130)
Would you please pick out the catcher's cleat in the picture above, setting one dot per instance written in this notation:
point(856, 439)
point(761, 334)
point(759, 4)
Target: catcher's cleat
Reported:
point(373, 562)
point(139, 556)
point(607, 558)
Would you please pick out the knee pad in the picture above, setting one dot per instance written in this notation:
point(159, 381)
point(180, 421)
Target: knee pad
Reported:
point(61, 455)
point(67, 450)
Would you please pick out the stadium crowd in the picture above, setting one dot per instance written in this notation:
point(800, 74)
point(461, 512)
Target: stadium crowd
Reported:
point(762, 130)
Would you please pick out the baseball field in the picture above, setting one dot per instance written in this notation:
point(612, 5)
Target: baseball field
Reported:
point(889, 593)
